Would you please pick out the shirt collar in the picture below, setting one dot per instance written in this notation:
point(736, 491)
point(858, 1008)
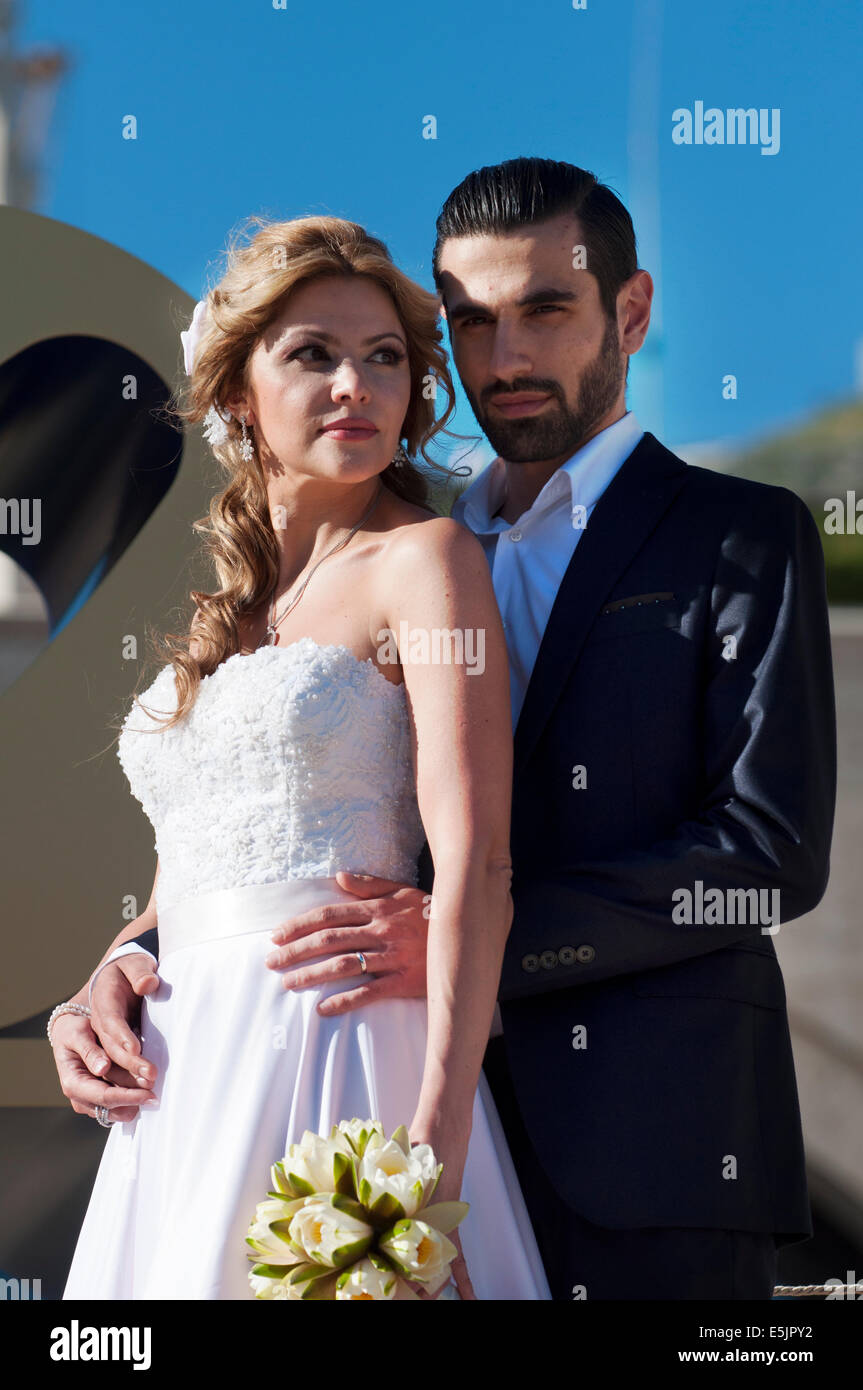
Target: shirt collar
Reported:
point(582, 479)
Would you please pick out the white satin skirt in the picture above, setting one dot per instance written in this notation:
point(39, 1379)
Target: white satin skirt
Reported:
point(244, 1067)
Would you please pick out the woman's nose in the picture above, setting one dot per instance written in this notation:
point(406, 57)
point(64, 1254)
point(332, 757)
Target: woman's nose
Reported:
point(348, 381)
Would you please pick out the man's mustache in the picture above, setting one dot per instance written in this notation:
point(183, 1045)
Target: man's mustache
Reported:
point(516, 388)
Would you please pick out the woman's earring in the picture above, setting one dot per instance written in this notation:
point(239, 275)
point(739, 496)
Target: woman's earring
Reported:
point(401, 458)
point(247, 453)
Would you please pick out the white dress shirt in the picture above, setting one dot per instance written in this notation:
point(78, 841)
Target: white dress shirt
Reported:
point(528, 557)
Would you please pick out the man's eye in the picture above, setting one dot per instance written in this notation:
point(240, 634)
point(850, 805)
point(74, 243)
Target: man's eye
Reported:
point(546, 306)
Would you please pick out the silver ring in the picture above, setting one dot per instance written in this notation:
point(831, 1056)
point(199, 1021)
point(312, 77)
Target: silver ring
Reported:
point(102, 1115)
point(362, 960)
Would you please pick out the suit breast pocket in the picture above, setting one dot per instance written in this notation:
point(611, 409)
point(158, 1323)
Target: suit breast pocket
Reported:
point(635, 614)
point(735, 972)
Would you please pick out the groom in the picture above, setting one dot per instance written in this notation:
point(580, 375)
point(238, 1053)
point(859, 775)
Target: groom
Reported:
point(675, 769)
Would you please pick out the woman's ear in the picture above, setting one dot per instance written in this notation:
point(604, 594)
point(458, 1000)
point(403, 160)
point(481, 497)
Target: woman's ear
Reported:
point(239, 406)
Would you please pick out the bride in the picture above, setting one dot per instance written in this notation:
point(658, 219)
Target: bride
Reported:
point(282, 744)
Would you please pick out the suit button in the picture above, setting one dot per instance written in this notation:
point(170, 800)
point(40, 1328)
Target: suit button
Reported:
point(530, 963)
point(585, 954)
point(566, 955)
point(548, 960)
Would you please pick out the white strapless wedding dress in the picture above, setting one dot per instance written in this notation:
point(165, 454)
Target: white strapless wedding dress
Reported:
point(294, 763)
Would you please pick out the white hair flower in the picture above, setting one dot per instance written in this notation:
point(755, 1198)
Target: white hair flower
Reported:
point(215, 421)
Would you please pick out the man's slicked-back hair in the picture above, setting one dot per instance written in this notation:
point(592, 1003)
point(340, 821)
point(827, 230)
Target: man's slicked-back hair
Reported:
point(521, 192)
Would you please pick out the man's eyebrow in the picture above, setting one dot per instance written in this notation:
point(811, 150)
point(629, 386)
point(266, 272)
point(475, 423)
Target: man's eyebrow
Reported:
point(548, 294)
point(331, 338)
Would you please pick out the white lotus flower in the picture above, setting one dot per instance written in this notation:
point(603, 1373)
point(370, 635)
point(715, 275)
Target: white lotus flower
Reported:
point(267, 1287)
point(366, 1281)
point(419, 1251)
point(328, 1234)
point(272, 1245)
point(359, 1132)
point(386, 1171)
point(310, 1165)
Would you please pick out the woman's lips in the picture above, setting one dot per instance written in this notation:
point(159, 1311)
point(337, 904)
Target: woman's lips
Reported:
point(350, 434)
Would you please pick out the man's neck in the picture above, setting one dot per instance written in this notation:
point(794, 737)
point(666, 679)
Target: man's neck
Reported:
point(523, 482)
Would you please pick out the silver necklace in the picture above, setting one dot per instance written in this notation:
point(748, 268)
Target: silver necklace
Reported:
point(269, 637)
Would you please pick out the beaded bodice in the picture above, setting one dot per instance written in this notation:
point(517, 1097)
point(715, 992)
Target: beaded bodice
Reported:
point(293, 762)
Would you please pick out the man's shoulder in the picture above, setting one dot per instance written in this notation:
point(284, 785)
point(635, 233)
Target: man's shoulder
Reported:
point(710, 485)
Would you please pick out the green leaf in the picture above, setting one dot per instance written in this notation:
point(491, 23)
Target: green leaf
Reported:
point(302, 1273)
point(443, 1216)
point(387, 1208)
point(280, 1179)
point(282, 1229)
point(303, 1188)
point(380, 1261)
point(291, 1205)
point(350, 1207)
point(344, 1176)
point(318, 1290)
point(272, 1271)
point(352, 1251)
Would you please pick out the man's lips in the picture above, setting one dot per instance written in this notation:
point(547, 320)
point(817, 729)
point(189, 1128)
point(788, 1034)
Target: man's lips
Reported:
point(519, 404)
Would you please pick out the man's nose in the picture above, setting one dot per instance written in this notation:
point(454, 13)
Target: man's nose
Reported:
point(509, 357)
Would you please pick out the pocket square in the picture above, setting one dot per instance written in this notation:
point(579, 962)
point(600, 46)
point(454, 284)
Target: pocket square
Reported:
point(635, 601)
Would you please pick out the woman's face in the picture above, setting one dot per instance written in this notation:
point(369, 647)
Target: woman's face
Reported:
point(336, 351)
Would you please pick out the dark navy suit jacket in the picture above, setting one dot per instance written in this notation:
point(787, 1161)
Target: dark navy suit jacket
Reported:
point(651, 1056)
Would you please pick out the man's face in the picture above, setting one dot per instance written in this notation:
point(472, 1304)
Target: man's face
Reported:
point(539, 361)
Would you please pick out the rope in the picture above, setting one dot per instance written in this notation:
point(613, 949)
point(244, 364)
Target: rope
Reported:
point(807, 1290)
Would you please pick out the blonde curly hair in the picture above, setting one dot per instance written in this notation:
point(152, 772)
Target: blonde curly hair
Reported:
point(238, 533)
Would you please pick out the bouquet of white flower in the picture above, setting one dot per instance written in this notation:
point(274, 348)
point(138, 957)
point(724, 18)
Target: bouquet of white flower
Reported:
point(348, 1218)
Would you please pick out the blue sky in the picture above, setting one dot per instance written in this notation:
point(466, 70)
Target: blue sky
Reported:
point(245, 108)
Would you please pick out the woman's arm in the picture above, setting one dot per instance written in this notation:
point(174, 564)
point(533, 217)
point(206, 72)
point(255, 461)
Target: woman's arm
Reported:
point(438, 582)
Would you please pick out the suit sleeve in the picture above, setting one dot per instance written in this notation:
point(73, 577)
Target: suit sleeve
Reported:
point(769, 777)
point(148, 941)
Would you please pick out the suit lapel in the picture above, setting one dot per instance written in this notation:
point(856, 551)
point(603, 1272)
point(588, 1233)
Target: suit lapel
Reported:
point(631, 506)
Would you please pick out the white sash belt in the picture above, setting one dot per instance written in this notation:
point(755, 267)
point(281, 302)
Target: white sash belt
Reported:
point(252, 907)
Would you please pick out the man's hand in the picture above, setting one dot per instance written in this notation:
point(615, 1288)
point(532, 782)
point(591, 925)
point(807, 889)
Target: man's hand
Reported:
point(116, 1011)
point(388, 923)
point(99, 1058)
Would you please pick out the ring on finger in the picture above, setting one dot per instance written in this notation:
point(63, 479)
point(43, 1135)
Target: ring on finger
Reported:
point(103, 1115)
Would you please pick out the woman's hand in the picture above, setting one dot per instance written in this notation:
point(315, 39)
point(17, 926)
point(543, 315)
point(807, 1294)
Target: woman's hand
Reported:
point(453, 1157)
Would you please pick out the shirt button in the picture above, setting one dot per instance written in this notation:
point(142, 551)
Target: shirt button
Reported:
point(585, 954)
point(515, 535)
point(566, 955)
point(548, 960)
point(530, 963)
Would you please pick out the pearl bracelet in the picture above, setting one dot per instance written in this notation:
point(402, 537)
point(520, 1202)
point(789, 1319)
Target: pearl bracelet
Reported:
point(67, 1008)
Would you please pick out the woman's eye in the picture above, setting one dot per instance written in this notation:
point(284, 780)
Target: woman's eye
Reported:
point(395, 354)
point(309, 347)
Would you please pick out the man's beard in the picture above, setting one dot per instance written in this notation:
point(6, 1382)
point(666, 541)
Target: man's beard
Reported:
point(559, 431)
